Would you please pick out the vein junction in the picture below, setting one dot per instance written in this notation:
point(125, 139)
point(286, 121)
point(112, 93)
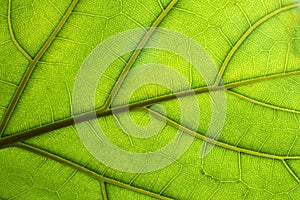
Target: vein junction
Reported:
point(15, 139)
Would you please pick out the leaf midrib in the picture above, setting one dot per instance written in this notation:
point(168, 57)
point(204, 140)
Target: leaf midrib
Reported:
point(103, 112)
point(22, 136)
point(9, 140)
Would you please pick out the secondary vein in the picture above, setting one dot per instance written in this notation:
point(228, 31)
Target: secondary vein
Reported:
point(225, 145)
point(262, 103)
point(215, 142)
point(31, 67)
point(291, 171)
point(136, 53)
point(246, 34)
point(262, 78)
point(87, 171)
point(103, 190)
point(12, 35)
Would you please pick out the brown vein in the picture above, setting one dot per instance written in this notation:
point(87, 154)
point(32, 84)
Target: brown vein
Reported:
point(22, 136)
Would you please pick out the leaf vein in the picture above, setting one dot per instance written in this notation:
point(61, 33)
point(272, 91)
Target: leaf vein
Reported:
point(12, 35)
point(27, 134)
point(262, 103)
point(103, 190)
point(246, 34)
point(224, 145)
point(216, 142)
point(136, 53)
point(290, 171)
point(87, 171)
point(31, 67)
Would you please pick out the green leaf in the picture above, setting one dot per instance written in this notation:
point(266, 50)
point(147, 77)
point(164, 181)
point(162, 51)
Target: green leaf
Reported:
point(255, 46)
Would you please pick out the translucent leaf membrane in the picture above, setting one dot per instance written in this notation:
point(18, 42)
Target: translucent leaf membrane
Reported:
point(254, 154)
point(28, 176)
